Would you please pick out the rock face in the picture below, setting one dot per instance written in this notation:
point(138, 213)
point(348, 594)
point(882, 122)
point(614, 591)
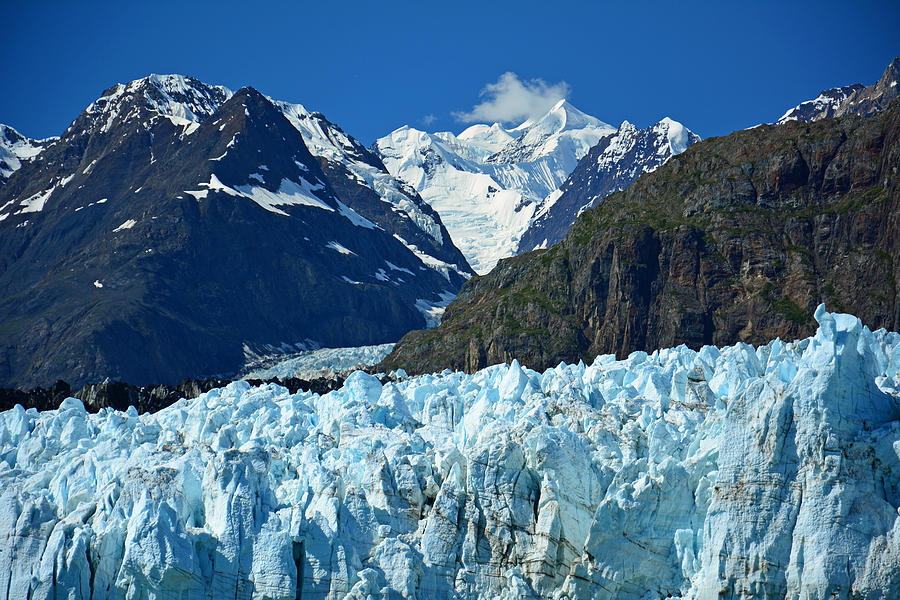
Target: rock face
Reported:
point(736, 239)
point(824, 106)
point(175, 226)
point(612, 165)
point(769, 472)
point(850, 100)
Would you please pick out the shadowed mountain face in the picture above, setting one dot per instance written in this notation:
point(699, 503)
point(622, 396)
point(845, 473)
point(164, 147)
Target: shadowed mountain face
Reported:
point(737, 239)
point(174, 224)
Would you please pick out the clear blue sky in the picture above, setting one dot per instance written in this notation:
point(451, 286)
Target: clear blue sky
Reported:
point(373, 66)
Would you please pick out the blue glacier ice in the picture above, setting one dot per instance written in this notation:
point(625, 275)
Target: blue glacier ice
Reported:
point(738, 472)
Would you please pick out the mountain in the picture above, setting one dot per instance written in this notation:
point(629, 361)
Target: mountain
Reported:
point(611, 165)
point(736, 472)
point(852, 99)
point(824, 106)
point(488, 182)
point(736, 239)
point(175, 226)
point(16, 148)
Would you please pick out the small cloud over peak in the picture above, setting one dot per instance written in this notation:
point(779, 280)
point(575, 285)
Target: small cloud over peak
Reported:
point(428, 119)
point(511, 100)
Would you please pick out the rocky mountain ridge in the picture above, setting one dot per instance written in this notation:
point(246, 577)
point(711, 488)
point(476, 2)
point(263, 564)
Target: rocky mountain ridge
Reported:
point(853, 99)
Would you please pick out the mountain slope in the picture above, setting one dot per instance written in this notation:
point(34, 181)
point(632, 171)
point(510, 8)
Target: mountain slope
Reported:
point(176, 224)
point(487, 182)
point(736, 239)
point(611, 165)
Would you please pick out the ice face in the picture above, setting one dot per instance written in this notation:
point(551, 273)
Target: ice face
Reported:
point(753, 472)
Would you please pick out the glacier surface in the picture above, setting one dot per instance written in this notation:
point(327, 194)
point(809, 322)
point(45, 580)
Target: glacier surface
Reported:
point(765, 472)
point(319, 363)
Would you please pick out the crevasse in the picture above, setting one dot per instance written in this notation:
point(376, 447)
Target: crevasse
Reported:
point(765, 472)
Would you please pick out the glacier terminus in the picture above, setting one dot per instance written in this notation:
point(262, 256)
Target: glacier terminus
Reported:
point(764, 472)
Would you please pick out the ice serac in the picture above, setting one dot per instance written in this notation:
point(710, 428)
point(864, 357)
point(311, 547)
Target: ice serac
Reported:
point(611, 165)
point(745, 472)
point(488, 181)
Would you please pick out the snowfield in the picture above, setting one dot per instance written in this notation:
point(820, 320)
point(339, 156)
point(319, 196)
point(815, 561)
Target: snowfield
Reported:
point(733, 472)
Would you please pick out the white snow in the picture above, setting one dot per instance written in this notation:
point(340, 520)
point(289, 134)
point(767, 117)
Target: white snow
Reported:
point(434, 310)
point(354, 217)
point(35, 202)
point(394, 267)
point(339, 248)
point(290, 193)
point(336, 146)
point(773, 471)
point(188, 127)
point(126, 225)
point(16, 149)
point(431, 262)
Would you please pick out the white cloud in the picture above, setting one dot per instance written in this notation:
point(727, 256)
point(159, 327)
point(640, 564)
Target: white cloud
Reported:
point(511, 100)
point(429, 119)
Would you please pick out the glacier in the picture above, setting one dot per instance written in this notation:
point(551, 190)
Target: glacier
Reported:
point(737, 472)
point(323, 362)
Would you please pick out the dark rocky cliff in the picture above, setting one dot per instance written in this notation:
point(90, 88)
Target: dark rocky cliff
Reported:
point(737, 239)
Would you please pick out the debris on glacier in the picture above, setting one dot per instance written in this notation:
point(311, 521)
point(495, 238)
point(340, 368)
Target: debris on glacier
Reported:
point(726, 472)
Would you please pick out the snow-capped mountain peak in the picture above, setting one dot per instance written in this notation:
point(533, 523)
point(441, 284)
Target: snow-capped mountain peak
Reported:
point(853, 99)
point(487, 181)
point(678, 135)
point(491, 138)
point(176, 96)
point(563, 117)
point(821, 107)
point(563, 130)
point(255, 194)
